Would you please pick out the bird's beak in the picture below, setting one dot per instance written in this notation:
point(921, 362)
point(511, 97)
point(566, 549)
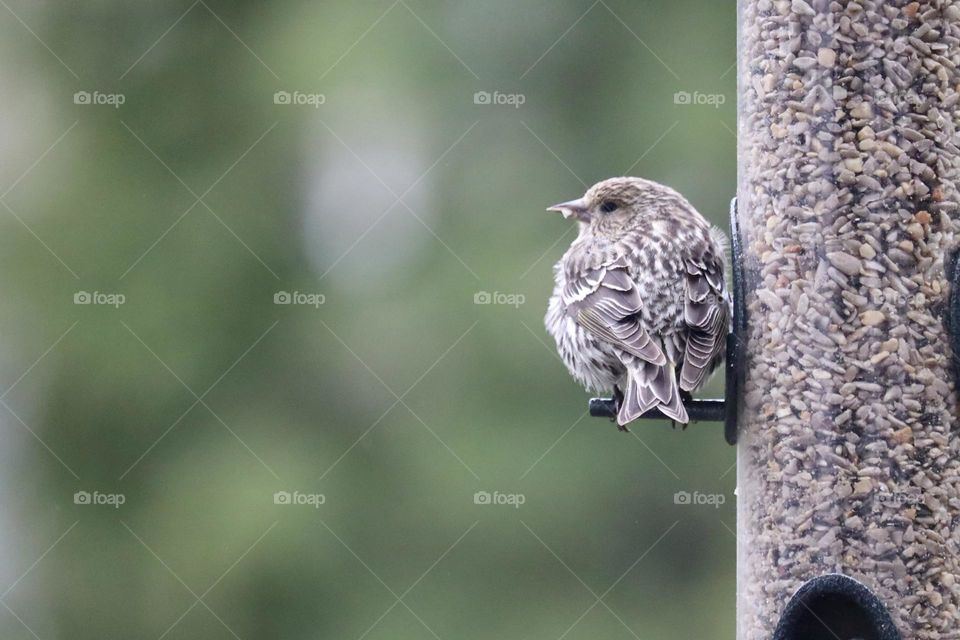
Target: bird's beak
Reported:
point(575, 208)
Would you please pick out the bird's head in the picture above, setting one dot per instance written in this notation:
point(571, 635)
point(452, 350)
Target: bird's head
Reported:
point(617, 204)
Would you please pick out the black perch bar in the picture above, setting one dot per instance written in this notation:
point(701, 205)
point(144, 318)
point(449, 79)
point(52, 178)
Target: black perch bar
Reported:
point(699, 410)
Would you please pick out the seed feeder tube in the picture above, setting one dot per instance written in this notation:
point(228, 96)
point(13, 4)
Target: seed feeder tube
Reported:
point(848, 511)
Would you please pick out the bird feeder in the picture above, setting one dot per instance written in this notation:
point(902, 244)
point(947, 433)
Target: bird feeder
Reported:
point(848, 467)
point(841, 398)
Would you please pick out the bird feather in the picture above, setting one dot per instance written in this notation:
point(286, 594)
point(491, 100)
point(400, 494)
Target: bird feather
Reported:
point(705, 313)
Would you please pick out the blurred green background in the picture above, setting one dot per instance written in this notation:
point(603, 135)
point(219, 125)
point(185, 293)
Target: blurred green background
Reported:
point(397, 203)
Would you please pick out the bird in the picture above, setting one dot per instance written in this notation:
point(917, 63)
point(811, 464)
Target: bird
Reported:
point(640, 307)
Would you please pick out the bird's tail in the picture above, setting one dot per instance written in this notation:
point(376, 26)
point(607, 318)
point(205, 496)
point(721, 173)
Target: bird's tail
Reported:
point(651, 386)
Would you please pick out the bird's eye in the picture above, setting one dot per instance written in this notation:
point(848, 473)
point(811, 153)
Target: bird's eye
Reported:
point(608, 206)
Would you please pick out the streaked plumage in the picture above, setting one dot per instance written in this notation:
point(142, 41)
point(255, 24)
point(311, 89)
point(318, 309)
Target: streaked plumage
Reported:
point(639, 303)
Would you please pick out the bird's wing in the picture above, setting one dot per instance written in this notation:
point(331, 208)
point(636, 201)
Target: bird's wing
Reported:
point(706, 314)
point(606, 302)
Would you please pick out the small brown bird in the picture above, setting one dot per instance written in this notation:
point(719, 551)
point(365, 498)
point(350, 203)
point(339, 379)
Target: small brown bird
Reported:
point(639, 307)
